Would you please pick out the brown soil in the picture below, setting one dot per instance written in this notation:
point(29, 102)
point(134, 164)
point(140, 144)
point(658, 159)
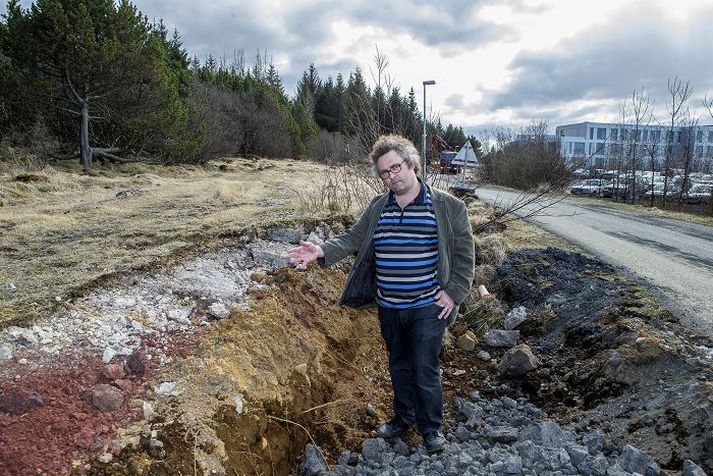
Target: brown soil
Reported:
point(260, 356)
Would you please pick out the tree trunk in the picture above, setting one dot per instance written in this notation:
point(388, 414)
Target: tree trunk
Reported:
point(84, 147)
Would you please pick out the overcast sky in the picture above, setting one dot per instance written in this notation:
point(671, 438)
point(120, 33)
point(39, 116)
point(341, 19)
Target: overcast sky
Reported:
point(495, 62)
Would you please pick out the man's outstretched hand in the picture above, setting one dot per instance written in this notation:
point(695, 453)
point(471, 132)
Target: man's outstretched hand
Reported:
point(304, 254)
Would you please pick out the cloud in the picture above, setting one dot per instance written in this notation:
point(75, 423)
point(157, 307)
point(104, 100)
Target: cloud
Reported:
point(451, 26)
point(623, 54)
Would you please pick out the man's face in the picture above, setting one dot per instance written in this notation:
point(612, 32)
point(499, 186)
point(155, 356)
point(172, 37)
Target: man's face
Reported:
point(400, 182)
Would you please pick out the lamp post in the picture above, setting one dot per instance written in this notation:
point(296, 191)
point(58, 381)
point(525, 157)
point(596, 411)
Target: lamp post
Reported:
point(423, 149)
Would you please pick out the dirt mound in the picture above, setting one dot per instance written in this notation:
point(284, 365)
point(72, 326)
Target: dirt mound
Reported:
point(611, 354)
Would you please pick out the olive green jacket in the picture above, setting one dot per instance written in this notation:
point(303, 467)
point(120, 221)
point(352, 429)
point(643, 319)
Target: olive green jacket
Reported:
point(456, 254)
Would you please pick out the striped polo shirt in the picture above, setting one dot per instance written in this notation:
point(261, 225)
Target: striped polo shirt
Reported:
point(406, 246)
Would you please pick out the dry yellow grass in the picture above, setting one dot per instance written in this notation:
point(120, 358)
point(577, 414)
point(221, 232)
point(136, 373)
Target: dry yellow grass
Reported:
point(61, 229)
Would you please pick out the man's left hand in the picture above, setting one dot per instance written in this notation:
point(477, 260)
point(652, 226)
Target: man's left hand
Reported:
point(445, 301)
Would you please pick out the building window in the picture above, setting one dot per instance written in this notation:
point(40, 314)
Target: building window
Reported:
point(591, 133)
point(569, 148)
point(579, 148)
point(613, 134)
point(600, 148)
point(710, 136)
point(699, 151)
point(601, 133)
point(646, 135)
point(709, 151)
point(656, 136)
point(678, 137)
point(699, 136)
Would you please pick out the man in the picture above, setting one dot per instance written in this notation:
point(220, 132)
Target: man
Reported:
point(415, 261)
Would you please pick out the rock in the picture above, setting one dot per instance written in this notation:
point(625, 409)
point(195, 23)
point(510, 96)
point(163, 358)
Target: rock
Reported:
point(577, 453)
point(515, 317)
point(501, 434)
point(314, 238)
point(239, 404)
point(109, 354)
point(508, 403)
point(23, 336)
point(633, 460)
point(370, 410)
point(372, 449)
point(518, 361)
point(692, 469)
point(105, 458)
point(302, 369)
point(513, 465)
point(313, 463)
point(467, 341)
point(483, 355)
point(286, 235)
point(593, 466)
point(501, 338)
point(149, 412)
point(272, 260)
point(124, 384)
point(548, 434)
point(137, 363)
point(114, 371)
point(17, 402)
point(219, 310)
point(594, 442)
point(107, 398)
point(167, 389)
point(9, 288)
point(6, 352)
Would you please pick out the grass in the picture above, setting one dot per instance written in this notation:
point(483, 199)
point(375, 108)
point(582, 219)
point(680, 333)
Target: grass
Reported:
point(62, 229)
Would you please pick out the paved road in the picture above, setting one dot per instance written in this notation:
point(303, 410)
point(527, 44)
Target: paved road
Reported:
point(676, 257)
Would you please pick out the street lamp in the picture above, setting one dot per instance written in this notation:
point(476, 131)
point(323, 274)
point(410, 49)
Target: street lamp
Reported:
point(423, 149)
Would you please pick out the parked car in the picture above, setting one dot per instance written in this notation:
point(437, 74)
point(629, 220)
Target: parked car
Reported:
point(673, 191)
point(623, 187)
point(699, 193)
point(592, 187)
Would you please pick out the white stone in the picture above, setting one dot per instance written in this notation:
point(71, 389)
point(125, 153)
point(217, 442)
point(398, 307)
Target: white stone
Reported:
point(5, 352)
point(109, 354)
point(239, 405)
point(515, 317)
point(149, 413)
point(219, 310)
point(168, 389)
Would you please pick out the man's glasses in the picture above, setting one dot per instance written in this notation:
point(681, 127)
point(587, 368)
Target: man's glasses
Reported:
point(394, 169)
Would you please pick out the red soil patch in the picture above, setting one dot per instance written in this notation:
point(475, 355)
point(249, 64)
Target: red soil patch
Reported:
point(47, 421)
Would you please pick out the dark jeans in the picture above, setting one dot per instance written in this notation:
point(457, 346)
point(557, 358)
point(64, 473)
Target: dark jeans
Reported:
point(414, 338)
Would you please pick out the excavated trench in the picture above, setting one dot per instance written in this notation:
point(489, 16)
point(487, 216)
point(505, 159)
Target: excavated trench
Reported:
point(302, 368)
point(244, 393)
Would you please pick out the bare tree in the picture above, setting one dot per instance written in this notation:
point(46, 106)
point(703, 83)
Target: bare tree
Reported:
point(679, 93)
point(640, 105)
point(688, 139)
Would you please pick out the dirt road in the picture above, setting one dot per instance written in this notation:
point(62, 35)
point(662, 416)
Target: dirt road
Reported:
point(674, 256)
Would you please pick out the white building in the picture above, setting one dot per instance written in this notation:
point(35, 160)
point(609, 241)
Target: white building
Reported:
point(604, 144)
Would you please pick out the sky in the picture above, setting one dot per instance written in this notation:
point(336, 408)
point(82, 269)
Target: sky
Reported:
point(496, 63)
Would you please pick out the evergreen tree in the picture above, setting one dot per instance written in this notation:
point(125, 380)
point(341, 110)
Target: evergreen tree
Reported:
point(93, 57)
